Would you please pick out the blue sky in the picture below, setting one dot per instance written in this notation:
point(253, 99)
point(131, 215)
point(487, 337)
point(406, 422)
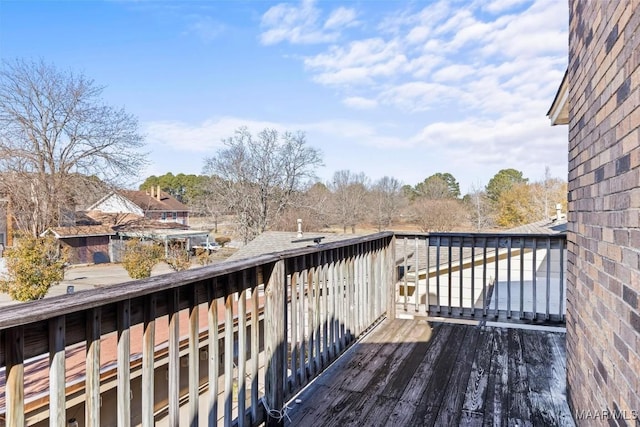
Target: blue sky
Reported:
point(397, 88)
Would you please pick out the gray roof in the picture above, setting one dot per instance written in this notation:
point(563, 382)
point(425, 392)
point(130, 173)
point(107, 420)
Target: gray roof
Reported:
point(546, 226)
point(277, 241)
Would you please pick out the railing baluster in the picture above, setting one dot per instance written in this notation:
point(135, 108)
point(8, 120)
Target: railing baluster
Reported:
point(333, 335)
point(534, 271)
point(561, 314)
point(14, 391)
point(357, 289)
point(92, 368)
point(228, 359)
point(213, 350)
point(174, 358)
point(255, 343)
point(148, 354)
point(428, 276)
point(124, 364)
point(302, 328)
point(325, 309)
point(521, 314)
point(405, 271)
point(242, 352)
point(294, 324)
point(194, 358)
point(311, 327)
point(304, 325)
point(473, 276)
point(391, 278)
point(438, 274)
point(416, 289)
point(509, 278)
point(449, 275)
point(350, 284)
point(548, 286)
point(318, 314)
point(460, 271)
point(57, 374)
point(496, 284)
point(484, 277)
point(342, 300)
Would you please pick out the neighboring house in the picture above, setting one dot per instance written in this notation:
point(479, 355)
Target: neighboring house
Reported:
point(154, 205)
point(86, 243)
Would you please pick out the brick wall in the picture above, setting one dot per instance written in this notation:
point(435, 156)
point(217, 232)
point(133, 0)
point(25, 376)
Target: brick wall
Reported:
point(603, 315)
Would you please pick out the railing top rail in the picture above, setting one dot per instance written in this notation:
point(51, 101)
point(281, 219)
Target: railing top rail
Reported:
point(35, 311)
point(501, 234)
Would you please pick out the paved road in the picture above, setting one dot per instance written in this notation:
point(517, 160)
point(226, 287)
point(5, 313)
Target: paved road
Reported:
point(89, 277)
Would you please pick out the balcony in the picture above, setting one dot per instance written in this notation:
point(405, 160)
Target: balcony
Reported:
point(394, 329)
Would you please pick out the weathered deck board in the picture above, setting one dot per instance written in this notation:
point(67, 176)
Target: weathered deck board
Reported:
point(414, 372)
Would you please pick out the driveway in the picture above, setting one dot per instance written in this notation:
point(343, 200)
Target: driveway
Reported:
point(88, 277)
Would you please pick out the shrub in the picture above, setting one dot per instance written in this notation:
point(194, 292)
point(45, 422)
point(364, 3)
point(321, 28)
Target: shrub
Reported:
point(33, 266)
point(203, 257)
point(178, 258)
point(222, 240)
point(140, 257)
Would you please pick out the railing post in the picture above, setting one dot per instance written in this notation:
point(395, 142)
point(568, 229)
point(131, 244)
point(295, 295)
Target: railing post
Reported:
point(14, 391)
point(148, 355)
point(57, 411)
point(275, 346)
point(92, 367)
point(392, 277)
point(124, 363)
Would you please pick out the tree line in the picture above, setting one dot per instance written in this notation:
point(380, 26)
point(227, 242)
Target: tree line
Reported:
point(61, 146)
point(242, 180)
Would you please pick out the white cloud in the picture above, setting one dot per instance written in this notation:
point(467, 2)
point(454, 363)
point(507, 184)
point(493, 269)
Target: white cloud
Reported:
point(205, 27)
point(203, 137)
point(360, 103)
point(497, 6)
point(357, 63)
point(303, 24)
point(453, 73)
point(341, 17)
point(420, 96)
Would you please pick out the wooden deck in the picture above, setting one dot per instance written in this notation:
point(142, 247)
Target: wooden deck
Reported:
point(422, 373)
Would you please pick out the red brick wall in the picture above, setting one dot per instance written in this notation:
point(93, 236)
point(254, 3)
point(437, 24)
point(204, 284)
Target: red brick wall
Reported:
point(603, 316)
point(183, 217)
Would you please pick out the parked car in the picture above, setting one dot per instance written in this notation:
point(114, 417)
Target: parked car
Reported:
point(209, 247)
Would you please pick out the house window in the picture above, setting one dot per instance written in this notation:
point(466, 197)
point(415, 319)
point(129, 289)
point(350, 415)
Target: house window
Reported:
point(175, 217)
point(163, 216)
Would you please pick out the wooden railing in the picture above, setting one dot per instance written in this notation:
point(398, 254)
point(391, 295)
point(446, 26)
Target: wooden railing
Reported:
point(493, 276)
point(265, 327)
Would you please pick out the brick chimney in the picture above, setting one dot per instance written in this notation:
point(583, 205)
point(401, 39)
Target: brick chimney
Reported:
point(158, 193)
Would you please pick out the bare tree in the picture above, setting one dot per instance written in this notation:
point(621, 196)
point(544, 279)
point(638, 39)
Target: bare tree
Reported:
point(439, 214)
point(54, 125)
point(386, 201)
point(547, 193)
point(259, 176)
point(207, 201)
point(310, 206)
point(349, 198)
point(480, 209)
